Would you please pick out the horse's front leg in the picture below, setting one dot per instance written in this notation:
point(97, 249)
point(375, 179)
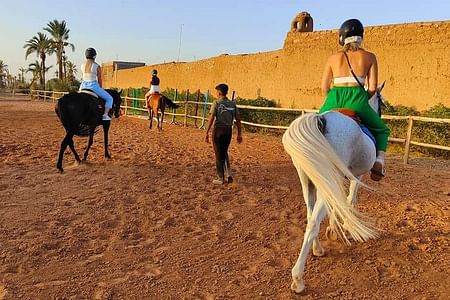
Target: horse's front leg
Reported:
point(351, 198)
point(106, 124)
point(90, 142)
point(312, 231)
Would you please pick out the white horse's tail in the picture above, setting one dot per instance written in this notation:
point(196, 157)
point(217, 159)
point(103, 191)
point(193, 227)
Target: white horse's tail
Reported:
point(310, 150)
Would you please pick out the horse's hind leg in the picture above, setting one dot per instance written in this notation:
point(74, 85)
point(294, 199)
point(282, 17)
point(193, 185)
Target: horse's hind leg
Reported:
point(67, 141)
point(162, 118)
point(106, 125)
point(312, 231)
point(90, 142)
point(151, 117)
point(309, 194)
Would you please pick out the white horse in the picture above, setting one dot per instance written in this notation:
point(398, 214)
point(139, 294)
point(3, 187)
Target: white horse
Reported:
point(323, 162)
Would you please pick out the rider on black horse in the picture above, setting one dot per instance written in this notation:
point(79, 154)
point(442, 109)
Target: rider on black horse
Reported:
point(92, 80)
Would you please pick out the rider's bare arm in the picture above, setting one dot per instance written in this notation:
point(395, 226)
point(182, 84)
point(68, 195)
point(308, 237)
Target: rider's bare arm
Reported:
point(99, 76)
point(372, 75)
point(326, 77)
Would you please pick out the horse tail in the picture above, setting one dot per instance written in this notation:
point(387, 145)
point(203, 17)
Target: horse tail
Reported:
point(170, 103)
point(310, 150)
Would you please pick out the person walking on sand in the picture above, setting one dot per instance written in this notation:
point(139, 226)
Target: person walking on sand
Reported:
point(349, 69)
point(221, 116)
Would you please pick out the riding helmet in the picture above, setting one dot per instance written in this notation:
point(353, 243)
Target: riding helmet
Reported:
point(154, 72)
point(90, 53)
point(351, 27)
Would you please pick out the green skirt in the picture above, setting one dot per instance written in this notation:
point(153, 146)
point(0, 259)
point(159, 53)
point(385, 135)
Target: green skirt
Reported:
point(357, 99)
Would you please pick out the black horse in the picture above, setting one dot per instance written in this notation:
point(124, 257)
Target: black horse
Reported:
point(80, 114)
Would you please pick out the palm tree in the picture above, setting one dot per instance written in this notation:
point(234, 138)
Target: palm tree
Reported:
point(71, 70)
point(22, 71)
point(3, 72)
point(35, 69)
point(60, 35)
point(42, 45)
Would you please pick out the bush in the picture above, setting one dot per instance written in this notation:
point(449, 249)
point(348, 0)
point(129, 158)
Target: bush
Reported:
point(424, 132)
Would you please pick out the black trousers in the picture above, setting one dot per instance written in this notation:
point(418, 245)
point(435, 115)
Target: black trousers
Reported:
point(221, 137)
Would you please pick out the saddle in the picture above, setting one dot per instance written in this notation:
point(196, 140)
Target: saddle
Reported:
point(98, 102)
point(153, 99)
point(353, 115)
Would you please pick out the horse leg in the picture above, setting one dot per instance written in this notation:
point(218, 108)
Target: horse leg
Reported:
point(353, 191)
point(64, 144)
point(309, 194)
point(162, 117)
point(90, 142)
point(351, 198)
point(151, 117)
point(312, 231)
point(106, 125)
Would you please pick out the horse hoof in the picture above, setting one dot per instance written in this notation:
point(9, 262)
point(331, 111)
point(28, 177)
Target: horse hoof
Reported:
point(60, 170)
point(331, 234)
point(297, 288)
point(108, 156)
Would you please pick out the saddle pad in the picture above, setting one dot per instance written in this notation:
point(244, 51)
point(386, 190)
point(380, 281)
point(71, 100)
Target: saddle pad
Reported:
point(88, 92)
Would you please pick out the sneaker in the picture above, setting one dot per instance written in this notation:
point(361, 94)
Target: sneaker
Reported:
point(230, 179)
point(217, 181)
point(377, 171)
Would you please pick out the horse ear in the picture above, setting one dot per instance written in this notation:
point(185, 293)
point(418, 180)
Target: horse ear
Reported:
point(382, 86)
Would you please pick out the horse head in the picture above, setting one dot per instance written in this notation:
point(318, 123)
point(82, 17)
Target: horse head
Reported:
point(117, 101)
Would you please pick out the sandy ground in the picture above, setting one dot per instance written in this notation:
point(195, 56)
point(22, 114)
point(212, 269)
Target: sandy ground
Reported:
point(148, 224)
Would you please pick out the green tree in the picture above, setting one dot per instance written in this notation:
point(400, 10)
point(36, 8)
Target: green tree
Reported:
point(35, 69)
point(71, 69)
point(3, 73)
point(42, 46)
point(22, 72)
point(60, 34)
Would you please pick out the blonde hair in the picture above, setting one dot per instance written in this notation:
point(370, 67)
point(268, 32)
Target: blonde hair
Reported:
point(352, 46)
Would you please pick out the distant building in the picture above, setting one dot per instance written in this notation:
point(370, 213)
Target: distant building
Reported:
point(109, 67)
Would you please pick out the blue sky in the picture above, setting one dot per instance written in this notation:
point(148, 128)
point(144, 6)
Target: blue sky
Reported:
point(149, 31)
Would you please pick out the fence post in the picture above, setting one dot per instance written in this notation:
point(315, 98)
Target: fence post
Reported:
point(126, 104)
point(196, 107)
point(186, 108)
point(408, 140)
point(204, 110)
point(174, 109)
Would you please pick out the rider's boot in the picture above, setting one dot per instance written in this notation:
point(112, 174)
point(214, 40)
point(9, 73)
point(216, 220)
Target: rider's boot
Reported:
point(377, 172)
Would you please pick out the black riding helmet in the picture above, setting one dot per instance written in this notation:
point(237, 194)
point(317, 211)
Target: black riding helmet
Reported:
point(351, 27)
point(90, 53)
point(154, 72)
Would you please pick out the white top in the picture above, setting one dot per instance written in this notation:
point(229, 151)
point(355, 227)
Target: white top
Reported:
point(348, 79)
point(91, 75)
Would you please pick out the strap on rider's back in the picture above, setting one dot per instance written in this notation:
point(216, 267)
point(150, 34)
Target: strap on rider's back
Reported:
point(353, 73)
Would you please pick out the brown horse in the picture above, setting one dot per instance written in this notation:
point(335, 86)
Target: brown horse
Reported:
point(158, 102)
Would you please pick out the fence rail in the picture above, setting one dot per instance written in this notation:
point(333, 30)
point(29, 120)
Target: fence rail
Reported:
point(127, 109)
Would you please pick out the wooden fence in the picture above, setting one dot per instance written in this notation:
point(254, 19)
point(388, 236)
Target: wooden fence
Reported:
point(139, 111)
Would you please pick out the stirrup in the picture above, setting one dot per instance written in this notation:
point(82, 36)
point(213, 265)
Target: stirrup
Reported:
point(377, 172)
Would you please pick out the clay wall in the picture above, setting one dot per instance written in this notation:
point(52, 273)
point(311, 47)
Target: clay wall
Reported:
point(413, 58)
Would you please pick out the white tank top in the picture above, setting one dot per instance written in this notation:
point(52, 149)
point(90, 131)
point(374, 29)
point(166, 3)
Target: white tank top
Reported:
point(91, 75)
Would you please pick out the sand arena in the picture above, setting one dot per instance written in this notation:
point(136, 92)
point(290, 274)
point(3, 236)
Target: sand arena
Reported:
point(148, 224)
